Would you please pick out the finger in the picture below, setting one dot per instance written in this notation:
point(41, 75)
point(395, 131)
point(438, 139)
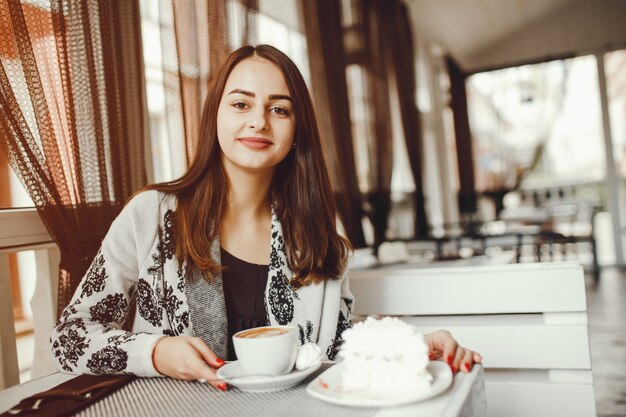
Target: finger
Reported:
point(209, 375)
point(477, 357)
point(450, 347)
point(434, 353)
point(207, 354)
point(456, 362)
point(200, 371)
point(467, 361)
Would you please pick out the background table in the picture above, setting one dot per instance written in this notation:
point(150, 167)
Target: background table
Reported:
point(168, 397)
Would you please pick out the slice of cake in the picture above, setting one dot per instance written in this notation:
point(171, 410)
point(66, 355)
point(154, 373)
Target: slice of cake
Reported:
point(386, 356)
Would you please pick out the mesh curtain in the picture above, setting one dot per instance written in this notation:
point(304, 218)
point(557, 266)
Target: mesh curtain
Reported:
point(196, 37)
point(72, 114)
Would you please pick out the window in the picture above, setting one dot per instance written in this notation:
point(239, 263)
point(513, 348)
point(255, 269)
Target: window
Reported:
point(537, 123)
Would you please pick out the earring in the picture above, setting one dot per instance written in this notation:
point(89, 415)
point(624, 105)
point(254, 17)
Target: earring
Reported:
point(293, 146)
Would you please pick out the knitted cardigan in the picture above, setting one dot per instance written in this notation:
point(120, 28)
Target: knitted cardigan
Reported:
point(137, 259)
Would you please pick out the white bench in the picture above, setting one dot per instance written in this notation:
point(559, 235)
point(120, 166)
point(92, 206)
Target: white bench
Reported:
point(528, 321)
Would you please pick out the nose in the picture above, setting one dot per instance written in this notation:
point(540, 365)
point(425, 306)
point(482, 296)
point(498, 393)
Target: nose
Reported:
point(258, 119)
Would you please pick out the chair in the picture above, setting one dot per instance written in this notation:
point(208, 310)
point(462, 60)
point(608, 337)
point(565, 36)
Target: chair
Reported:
point(23, 230)
point(528, 321)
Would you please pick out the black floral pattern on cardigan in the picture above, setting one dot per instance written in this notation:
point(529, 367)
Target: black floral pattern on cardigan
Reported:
point(344, 322)
point(112, 358)
point(108, 360)
point(72, 342)
point(281, 298)
point(280, 295)
point(305, 334)
point(96, 277)
point(148, 303)
point(275, 261)
point(172, 304)
point(154, 304)
point(111, 309)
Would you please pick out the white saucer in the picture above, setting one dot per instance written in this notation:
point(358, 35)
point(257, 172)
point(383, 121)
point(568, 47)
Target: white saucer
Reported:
point(328, 387)
point(233, 374)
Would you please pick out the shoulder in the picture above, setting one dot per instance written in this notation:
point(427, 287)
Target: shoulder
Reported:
point(143, 213)
point(151, 201)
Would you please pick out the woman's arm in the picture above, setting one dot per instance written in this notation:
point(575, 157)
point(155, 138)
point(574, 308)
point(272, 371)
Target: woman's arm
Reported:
point(88, 337)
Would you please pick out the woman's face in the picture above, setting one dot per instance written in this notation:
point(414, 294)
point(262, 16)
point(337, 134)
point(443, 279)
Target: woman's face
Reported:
point(255, 120)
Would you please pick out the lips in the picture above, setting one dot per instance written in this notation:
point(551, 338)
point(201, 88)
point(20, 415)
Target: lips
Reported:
point(255, 142)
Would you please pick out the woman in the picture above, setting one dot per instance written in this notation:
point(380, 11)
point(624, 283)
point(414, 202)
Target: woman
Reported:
point(246, 237)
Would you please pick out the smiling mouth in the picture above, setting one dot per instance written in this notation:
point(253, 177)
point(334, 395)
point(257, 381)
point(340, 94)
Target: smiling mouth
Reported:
point(255, 143)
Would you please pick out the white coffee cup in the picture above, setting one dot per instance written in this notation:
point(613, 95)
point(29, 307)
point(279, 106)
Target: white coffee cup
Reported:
point(267, 350)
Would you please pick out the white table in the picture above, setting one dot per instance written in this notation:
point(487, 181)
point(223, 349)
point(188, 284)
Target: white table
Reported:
point(465, 398)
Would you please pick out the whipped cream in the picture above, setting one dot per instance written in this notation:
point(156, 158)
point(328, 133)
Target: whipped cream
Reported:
point(387, 339)
point(308, 355)
point(385, 356)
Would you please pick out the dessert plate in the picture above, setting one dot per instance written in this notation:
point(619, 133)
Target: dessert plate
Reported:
point(235, 376)
point(328, 387)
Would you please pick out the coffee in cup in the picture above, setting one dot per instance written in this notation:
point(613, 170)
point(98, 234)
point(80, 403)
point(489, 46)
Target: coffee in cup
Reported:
point(267, 350)
point(262, 332)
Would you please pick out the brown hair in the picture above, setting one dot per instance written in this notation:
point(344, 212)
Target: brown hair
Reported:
point(301, 192)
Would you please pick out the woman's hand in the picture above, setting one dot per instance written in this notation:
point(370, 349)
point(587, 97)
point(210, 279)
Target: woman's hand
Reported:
point(441, 345)
point(188, 358)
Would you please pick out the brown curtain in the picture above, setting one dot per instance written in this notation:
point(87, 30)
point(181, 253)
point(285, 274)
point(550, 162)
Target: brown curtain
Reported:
point(378, 46)
point(72, 117)
point(464, 147)
point(322, 23)
point(372, 135)
point(194, 42)
point(396, 25)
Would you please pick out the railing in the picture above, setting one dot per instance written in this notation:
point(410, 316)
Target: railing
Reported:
point(22, 230)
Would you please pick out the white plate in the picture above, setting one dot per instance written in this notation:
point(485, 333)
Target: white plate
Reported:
point(233, 374)
point(328, 387)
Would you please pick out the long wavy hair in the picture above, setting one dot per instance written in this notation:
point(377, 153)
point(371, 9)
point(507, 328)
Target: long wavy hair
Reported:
point(300, 192)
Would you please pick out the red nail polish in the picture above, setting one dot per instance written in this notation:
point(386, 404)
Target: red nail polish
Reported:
point(431, 356)
point(219, 361)
point(221, 387)
point(467, 366)
point(449, 359)
point(453, 369)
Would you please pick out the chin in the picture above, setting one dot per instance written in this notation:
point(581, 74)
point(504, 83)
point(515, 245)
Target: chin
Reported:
point(255, 165)
point(260, 162)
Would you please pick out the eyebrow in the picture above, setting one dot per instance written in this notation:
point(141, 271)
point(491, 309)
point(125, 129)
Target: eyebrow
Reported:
point(251, 94)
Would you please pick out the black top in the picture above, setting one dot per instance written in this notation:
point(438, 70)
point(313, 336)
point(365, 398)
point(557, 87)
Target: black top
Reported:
point(244, 291)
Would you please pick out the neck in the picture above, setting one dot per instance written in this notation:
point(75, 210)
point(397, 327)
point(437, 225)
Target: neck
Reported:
point(249, 193)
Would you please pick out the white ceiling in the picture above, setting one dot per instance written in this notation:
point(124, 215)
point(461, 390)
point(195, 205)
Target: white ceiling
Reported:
point(491, 33)
point(482, 34)
point(282, 11)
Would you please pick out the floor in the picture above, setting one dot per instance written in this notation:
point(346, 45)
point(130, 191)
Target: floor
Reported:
point(606, 306)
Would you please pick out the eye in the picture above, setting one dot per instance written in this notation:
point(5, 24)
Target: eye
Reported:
point(240, 105)
point(281, 111)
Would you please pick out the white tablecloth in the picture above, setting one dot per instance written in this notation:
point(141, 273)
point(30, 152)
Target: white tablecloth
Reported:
point(162, 396)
